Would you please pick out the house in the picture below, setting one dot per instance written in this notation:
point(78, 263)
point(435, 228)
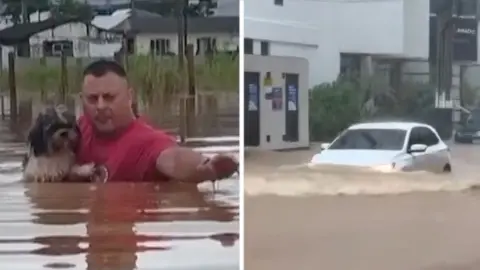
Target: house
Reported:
point(102, 37)
point(47, 36)
point(159, 35)
point(336, 36)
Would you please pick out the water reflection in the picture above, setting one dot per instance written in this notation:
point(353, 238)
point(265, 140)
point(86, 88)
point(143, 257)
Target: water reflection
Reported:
point(112, 216)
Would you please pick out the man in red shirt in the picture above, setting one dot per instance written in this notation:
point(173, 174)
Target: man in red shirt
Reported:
point(125, 148)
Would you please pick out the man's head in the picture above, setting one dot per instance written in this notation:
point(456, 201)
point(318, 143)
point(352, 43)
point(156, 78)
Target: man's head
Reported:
point(107, 96)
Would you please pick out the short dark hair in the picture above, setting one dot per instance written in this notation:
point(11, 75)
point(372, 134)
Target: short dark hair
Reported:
point(103, 66)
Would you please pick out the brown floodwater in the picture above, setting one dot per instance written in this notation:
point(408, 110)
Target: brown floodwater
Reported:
point(312, 218)
point(115, 225)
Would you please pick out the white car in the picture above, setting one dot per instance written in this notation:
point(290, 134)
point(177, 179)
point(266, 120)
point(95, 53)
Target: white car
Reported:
point(388, 146)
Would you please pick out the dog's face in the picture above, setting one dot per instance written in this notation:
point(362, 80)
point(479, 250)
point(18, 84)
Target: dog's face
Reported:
point(55, 130)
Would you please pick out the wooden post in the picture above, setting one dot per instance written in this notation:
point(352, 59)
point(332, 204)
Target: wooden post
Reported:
point(3, 106)
point(190, 106)
point(43, 91)
point(13, 88)
point(180, 9)
point(182, 117)
point(63, 79)
point(79, 74)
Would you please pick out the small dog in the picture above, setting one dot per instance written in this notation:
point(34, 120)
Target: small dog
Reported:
point(53, 141)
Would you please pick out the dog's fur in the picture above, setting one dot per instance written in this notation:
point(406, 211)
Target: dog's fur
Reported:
point(52, 143)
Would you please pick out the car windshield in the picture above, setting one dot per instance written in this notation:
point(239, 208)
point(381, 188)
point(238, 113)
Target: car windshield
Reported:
point(370, 139)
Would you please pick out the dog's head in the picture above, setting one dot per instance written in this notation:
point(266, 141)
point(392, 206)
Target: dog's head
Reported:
point(54, 130)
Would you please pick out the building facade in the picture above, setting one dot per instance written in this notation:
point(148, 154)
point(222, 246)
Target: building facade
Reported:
point(334, 35)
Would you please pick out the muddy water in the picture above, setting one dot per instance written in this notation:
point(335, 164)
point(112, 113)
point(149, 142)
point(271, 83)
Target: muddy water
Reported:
point(288, 174)
point(115, 226)
point(344, 220)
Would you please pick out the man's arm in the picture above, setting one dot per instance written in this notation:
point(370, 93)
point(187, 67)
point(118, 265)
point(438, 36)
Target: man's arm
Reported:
point(184, 164)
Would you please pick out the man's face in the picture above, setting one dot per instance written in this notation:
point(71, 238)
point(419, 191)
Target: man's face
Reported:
point(107, 101)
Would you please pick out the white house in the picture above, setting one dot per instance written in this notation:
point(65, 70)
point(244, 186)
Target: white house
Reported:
point(159, 35)
point(328, 33)
point(104, 35)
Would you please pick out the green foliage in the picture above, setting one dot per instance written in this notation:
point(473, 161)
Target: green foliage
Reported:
point(168, 8)
point(71, 8)
point(39, 77)
point(335, 106)
point(13, 8)
point(154, 78)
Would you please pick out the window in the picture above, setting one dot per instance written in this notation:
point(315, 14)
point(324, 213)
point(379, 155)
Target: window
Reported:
point(265, 48)
point(278, 2)
point(350, 64)
point(206, 45)
point(130, 46)
point(159, 46)
point(422, 135)
point(370, 139)
point(248, 45)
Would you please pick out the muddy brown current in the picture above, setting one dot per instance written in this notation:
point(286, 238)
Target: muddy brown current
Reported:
point(344, 220)
point(115, 226)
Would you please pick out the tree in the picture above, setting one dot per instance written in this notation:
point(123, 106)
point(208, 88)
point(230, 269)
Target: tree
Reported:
point(71, 8)
point(13, 9)
point(203, 8)
point(168, 8)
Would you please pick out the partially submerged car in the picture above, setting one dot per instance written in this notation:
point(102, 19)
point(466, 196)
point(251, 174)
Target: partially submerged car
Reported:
point(388, 146)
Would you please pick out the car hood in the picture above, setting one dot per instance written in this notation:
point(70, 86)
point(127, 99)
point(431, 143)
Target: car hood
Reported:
point(355, 157)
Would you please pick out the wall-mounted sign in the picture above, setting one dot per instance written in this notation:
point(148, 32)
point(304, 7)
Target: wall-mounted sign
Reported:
point(253, 97)
point(465, 42)
point(292, 98)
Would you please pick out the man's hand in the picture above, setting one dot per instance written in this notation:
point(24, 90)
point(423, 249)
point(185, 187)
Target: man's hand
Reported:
point(220, 166)
point(186, 165)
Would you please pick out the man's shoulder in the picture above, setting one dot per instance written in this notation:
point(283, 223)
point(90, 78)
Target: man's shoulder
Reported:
point(143, 129)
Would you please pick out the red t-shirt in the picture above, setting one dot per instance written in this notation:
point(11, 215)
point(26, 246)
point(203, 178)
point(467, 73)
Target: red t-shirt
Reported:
point(130, 156)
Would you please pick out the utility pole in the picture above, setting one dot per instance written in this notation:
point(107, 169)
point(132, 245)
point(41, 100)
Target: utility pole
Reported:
point(180, 10)
point(444, 57)
point(185, 25)
point(24, 15)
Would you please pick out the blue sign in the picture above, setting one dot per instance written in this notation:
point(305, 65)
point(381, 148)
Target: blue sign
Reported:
point(253, 97)
point(292, 97)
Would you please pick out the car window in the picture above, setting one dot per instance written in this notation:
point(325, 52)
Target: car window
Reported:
point(422, 135)
point(370, 139)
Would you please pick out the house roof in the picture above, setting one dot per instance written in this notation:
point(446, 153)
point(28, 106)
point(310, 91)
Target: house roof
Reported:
point(107, 22)
point(139, 24)
point(19, 33)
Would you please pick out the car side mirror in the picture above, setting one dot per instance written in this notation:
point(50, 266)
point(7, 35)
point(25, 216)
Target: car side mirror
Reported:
point(417, 148)
point(324, 146)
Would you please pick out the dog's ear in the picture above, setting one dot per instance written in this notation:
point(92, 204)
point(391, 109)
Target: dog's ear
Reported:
point(37, 137)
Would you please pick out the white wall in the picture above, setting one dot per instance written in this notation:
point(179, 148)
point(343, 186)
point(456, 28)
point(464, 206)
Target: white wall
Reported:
point(321, 30)
point(272, 123)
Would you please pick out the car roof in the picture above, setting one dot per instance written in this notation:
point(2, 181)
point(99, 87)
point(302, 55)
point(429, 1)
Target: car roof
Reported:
point(404, 125)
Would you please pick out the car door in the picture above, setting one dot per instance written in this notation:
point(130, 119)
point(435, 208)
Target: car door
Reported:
point(437, 152)
point(418, 160)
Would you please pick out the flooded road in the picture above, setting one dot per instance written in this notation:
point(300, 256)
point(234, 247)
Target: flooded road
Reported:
point(368, 221)
point(116, 225)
